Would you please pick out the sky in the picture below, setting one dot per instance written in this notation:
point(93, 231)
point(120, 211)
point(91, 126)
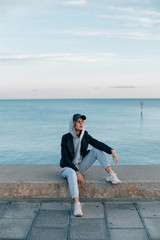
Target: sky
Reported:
point(79, 49)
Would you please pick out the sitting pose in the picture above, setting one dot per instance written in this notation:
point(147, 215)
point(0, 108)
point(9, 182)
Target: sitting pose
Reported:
point(76, 159)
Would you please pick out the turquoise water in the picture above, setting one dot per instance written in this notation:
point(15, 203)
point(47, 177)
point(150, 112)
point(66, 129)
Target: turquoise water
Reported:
point(31, 130)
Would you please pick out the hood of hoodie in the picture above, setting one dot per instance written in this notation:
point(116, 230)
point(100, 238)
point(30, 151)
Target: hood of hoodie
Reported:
point(77, 158)
point(73, 132)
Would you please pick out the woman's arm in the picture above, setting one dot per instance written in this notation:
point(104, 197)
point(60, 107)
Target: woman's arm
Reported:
point(99, 145)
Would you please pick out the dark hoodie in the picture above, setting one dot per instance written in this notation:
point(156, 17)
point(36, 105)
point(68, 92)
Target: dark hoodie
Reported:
point(70, 143)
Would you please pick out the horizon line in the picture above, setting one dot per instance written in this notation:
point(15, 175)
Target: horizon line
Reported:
point(74, 98)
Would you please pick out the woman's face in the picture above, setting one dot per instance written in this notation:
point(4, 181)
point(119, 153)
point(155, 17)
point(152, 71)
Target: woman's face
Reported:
point(79, 124)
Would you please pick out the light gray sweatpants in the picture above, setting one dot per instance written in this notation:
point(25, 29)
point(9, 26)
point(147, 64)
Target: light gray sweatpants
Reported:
point(67, 172)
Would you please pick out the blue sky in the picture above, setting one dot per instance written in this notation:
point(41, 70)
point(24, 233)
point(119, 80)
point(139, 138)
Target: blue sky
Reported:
point(79, 49)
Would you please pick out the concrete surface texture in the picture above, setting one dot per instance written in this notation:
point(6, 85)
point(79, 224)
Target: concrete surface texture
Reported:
point(101, 221)
point(39, 181)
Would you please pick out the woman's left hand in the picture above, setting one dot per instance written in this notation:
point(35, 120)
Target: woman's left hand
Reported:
point(80, 178)
point(114, 155)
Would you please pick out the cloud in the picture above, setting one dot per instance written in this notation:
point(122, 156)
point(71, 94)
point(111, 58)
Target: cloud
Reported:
point(22, 8)
point(75, 3)
point(123, 87)
point(56, 58)
point(133, 11)
point(17, 11)
point(96, 88)
point(141, 21)
point(140, 17)
point(2, 63)
point(64, 58)
point(112, 34)
point(13, 8)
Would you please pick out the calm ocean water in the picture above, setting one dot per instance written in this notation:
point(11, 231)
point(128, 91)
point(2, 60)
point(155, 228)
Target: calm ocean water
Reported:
point(31, 130)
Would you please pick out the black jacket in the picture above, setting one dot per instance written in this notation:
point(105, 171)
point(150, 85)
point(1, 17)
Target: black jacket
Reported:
point(67, 148)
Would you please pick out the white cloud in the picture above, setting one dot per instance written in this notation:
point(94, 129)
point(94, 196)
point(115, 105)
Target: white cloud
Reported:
point(64, 58)
point(57, 58)
point(135, 11)
point(124, 87)
point(16, 11)
point(75, 3)
point(96, 88)
point(2, 63)
point(133, 17)
point(13, 9)
point(141, 21)
point(113, 34)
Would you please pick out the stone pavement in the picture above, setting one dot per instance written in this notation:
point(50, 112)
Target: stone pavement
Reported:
point(139, 220)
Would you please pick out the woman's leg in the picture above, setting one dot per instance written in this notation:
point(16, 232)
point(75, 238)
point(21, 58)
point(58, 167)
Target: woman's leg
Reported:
point(71, 176)
point(93, 155)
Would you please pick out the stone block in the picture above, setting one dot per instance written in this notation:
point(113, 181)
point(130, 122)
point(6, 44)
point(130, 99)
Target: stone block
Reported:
point(52, 218)
point(14, 228)
point(2, 208)
point(48, 234)
point(22, 210)
point(82, 229)
point(128, 234)
point(55, 206)
point(92, 210)
point(44, 181)
point(149, 209)
point(153, 226)
point(122, 216)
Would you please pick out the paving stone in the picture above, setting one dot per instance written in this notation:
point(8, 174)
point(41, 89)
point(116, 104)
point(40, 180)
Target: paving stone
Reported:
point(91, 210)
point(22, 210)
point(122, 216)
point(149, 209)
point(128, 234)
point(48, 234)
point(87, 229)
point(2, 208)
point(55, 206)
point(153, 226)
point(14, 228)
point(52, 218)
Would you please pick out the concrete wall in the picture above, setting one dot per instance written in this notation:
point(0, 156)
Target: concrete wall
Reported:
point(39, 181)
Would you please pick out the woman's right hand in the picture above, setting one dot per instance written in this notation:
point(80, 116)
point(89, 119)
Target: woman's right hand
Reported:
point(80, 178)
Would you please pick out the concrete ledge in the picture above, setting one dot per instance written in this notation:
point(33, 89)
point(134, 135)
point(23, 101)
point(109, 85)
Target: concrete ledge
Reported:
point(45, 181)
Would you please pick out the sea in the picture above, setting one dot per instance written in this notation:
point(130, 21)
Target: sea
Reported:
point(31, 130)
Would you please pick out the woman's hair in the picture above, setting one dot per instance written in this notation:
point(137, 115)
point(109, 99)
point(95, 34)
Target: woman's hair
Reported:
point(74, 123)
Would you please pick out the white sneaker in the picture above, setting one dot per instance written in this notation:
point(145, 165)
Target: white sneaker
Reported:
point(78, 210)
point(113, 178)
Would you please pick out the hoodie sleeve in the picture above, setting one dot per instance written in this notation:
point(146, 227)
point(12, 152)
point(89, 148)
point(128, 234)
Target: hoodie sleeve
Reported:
point(99, 145)
point(66, 161)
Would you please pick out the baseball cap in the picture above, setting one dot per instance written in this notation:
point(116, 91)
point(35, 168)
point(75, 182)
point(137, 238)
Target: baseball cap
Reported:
point(78, 115)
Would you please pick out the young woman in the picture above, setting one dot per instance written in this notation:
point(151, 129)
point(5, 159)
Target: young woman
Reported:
point(76, 159)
